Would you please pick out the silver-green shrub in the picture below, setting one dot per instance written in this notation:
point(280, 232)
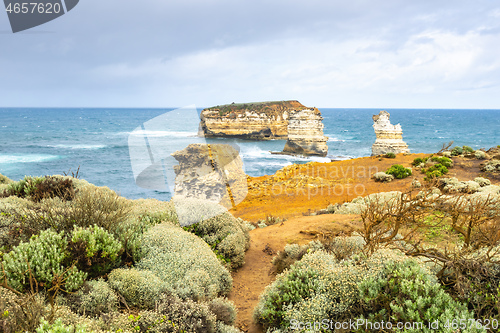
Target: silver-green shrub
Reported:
point(44, 256)
point(59, 327)
point(224, 310)
point(141, 288)
point(184, 262)
point(318, 287)
point(407, 292)
point(383, 177)
point(4, 179)
point(192, 210)
point(227, 236)
point(94, 298)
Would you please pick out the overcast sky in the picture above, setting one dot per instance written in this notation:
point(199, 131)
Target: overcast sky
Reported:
point(329, 53)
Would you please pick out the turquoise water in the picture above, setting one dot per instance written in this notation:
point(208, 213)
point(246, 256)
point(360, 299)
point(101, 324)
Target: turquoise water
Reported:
point(38, 141)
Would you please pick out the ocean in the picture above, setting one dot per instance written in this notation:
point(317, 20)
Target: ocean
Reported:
point(46, 141)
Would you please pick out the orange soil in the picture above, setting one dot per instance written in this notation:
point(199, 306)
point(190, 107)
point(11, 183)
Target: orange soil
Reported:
point(280, 195)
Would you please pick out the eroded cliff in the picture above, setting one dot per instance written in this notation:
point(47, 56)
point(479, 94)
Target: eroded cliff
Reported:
point(300, 125)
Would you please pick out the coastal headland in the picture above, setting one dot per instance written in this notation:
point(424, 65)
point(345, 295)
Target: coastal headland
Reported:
point(301, 189)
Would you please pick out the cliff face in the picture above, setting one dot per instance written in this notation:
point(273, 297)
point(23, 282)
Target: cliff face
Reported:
point(255, 121)
point(389, 137)
point(210, 172)
point(291, 120)
point(305, 133)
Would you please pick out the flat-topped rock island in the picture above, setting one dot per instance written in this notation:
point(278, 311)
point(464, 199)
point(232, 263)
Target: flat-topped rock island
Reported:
point(301, 126)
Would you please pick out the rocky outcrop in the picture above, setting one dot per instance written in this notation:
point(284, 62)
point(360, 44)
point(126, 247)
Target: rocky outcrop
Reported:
point(300, 125)
point(210, 172)
point(305, 133)
point(255, 121)
point(389, 137)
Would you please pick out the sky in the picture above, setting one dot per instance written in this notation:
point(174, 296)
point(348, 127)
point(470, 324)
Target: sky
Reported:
point(330, 53)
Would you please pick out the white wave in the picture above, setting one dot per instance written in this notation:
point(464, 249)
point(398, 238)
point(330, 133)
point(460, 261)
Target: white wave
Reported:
point(28, 158)
point(70, 146)
point(156, 134)
point(335, 139)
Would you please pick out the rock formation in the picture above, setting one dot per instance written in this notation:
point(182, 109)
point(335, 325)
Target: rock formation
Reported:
point(389, 137)
point(210, 172)
point(291, 120)
point(255, 121)
point(305, 133)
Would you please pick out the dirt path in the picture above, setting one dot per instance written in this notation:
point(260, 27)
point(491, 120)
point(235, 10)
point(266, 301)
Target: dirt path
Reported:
point(251, 279)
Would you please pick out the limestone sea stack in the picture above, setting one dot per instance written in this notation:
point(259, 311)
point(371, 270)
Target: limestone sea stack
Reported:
point(305, 133)
point(300, 125)
point(210, 172)
point(389, 137)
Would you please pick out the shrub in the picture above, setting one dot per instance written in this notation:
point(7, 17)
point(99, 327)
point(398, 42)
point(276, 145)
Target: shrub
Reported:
point(399, 171)
point(383, 177)
point(224, 310)
point(177, 315)
point(4, 179)
point(467, 149)
point(318, 287)
point(292, 253)
point(58, 327)
point(95, 297)
point(406, 292)
point(38, 188)
point(192, 210)
point(447, 162)
point(482, 181)
point(227, 236)
point(416, 162)
point(140, 288)
point(20, 313)
point(91, 206)
point(435, 171)
point(43, 257)
point(480, 155)
point(184, 262)
point(491, 166)
point(457, 151)
point(390, 155)
point(96, 250)
point(343, 248)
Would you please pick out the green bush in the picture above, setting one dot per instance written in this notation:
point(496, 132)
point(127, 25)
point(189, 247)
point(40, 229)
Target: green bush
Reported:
point(318, 287)
point(4, 179)
point(447, 162)
point(398, 171)
point(38, 188)
point(467, 149)
point(435, 171)
point(227, 236)
point(140, 288)
point(96, 250)
point(418, 161)
point(390, 155)
point(93, 298)
point(406, 292)
point(457, 151)
point(58, 327)
point(44, 256)
point(184, 262)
